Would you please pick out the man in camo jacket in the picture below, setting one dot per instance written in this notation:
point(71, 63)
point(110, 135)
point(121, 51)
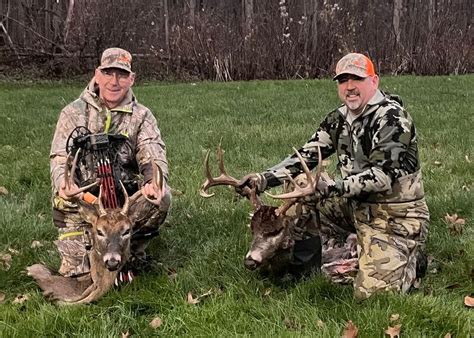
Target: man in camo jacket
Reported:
point(108, 105)
point(380, 196)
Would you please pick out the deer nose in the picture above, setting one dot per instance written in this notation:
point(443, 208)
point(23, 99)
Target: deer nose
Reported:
point(112, 264)
point(250, 263)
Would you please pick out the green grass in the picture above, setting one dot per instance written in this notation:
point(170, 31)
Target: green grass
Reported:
point(205, 240)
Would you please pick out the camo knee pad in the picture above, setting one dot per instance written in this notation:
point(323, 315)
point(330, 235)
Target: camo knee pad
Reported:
point(389, 238)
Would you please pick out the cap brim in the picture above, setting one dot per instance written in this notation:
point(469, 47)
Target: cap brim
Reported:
point(351, 73)
point(116, 65)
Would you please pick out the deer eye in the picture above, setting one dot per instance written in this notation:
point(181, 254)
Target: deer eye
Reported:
point(100, 233)
point(126, 233)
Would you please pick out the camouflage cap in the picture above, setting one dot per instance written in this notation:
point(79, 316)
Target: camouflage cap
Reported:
point(356, 64)
point(116, 58)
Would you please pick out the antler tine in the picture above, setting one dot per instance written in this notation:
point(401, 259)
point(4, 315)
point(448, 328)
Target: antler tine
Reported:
point(70, 177)
point(310, 186)
point(126, 202)
point(222, 179)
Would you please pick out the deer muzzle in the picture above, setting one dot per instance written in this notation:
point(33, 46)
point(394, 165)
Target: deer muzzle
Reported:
point(112, 261)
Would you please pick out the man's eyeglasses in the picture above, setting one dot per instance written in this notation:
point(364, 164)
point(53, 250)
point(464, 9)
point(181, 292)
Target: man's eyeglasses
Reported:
point(120, 74)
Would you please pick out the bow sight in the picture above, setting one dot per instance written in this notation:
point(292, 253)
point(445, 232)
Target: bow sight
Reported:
point(98, 160)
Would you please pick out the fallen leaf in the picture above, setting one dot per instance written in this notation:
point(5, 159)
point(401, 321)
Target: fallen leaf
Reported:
point(469, 301)
point(267, 292)
point(2, 297)
point(394, 317)
point(13, 251)
point(447, 335)
point(350, 331)
point(465, 188)
point(438, 163)
point(455, 223)
point(467, 159)
point(393, 332)
point(5, 261)
point(191, 300)
point(156, 322)
point(20, 299)
point(125, 334)
point(36, 244)
point(320, 323)
point(3, 191)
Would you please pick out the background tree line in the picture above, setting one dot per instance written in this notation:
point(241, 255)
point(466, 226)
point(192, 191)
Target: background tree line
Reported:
point(236, 39)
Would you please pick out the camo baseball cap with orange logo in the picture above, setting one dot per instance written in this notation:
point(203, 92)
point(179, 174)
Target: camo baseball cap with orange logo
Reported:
point(116, 58)
point(355, 64)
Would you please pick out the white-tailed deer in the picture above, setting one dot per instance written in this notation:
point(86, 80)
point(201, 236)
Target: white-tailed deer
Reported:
point(110, 231)
point(272, 230)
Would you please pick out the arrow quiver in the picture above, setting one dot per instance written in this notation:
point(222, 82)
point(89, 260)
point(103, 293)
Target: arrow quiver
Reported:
point(98, 159)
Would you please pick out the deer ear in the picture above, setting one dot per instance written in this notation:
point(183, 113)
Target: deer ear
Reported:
point(88, 212)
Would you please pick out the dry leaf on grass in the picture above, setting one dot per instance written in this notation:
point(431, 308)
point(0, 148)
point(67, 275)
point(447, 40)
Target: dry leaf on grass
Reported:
point(394, 317)
point(2, 297)
point(156, 322)
point(350, 331)
point(320, 323)
point(3, 191)
point(13, 251)
point(438, 163)
point(20, 299)
point(447, 335)
point(467, 159)
point(469, 301)
point(125, 334)
point(393, 332)
point(5, 261)
point(455, 223)
point(36, 244)
point(267, 292)
point(191, 300)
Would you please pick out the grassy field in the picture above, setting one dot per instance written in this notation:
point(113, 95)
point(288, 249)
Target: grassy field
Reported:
point(204, 241)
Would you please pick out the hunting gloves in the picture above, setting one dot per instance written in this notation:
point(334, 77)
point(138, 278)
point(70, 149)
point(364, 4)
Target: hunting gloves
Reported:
point(252, 181)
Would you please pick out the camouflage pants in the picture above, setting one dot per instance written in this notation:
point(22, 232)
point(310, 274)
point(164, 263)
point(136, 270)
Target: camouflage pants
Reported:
point(373, 245)
point(74, 242)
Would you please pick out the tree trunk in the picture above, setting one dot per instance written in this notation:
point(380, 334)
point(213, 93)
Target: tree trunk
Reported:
point(248, 15)
point(192, 11)
point(167, 26)
point(67, 24)
point(397, 12)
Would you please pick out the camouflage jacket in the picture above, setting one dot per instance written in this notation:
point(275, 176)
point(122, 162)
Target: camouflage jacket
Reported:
point(144, 143)
point(377, 153)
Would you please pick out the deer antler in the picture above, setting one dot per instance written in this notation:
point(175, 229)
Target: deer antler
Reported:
point(69, 177)
point(310, 187)
point(222, 179)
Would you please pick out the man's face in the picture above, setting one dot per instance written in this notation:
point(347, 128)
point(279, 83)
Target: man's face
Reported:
point(114, 84)
point(355, 92)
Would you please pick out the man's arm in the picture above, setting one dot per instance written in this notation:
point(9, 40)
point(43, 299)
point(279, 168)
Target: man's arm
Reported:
point(150, 147)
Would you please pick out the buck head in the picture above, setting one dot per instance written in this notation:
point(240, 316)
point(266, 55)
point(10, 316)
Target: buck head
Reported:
point(110, 231)
point(271, 236)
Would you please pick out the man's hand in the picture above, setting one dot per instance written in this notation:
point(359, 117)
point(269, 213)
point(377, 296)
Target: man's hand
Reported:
point(69, 189)
point(324, 186)
point(251, 181)
point(149, 190)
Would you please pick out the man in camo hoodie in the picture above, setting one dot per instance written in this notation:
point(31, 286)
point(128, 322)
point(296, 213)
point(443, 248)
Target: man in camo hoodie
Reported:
point(109, 106)
point(380, 195)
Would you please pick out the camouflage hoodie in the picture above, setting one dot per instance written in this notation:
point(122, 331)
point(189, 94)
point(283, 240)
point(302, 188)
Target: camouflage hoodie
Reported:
point(129, 118)
point(377, 153)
